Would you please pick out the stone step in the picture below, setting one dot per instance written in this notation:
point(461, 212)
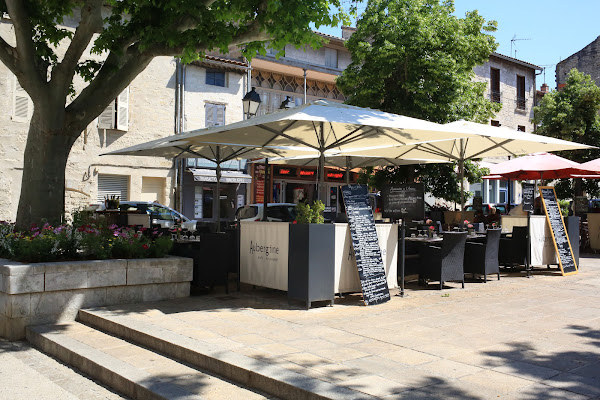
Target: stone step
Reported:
point(129, 369)
point(247, 371)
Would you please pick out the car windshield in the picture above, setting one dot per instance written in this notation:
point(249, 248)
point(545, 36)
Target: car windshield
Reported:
point(285, 213)
point(246, 212)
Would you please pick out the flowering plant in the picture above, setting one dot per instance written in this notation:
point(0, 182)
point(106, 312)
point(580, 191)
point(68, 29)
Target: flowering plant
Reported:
point(470, 226)
point(431, 227)
point(429, 222)
point(466, 221)
point(76, 242)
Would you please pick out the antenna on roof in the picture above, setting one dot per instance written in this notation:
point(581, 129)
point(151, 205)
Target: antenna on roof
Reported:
point(513, 40)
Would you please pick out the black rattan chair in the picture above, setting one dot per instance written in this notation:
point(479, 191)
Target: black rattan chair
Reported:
point(513, 250)
point(444, 263)
point(482, 258)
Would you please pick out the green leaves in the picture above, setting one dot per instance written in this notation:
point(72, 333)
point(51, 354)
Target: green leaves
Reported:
point(572, 114)
point(413, 57)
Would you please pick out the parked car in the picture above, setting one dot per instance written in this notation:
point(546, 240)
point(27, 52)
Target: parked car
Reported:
point(160, 215)
point(279, 212)
point(486, 207)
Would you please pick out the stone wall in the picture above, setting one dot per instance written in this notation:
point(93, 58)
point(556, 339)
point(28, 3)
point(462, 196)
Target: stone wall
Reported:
point(32, 294)
point(585, 60)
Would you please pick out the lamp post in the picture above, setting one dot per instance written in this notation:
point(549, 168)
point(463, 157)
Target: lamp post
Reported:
point(251, 102)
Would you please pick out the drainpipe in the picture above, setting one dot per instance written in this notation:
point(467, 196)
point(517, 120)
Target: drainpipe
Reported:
point(176, 161)
point(304, 85)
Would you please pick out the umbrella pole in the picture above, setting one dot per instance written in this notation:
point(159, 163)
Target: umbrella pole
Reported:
point(265, 200)
point(218, 194)
point(347, 170)
point(321, 184)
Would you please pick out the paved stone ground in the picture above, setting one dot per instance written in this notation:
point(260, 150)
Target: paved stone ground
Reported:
point(26, 374)
point(516, 338)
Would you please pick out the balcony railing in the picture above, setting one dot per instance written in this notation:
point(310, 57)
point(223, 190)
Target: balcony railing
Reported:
point(521, 103)
point(495, 96)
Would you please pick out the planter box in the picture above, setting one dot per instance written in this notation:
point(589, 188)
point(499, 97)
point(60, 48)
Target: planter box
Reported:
point(311, 268)
point(32, 294)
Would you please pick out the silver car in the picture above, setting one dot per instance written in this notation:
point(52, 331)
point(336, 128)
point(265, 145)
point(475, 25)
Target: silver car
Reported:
point(160, 215)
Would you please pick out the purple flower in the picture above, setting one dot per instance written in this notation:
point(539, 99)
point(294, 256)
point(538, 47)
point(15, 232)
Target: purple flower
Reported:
point(113, 227)
point(115, 233)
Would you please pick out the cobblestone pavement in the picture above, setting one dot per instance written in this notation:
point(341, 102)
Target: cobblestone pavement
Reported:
point(28, 374)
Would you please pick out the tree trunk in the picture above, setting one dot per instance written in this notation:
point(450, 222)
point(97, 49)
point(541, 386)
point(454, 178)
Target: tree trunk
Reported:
point(45, 159)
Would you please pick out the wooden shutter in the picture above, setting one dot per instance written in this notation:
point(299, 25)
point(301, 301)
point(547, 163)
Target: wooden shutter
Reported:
point(22, 104)
point(106, 120)
point(123, 110)
point(331, 58)
point(113, 185)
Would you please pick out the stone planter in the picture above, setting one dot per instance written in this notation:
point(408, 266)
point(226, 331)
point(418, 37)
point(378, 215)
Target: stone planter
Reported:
point(32, 294)
point(311, 268)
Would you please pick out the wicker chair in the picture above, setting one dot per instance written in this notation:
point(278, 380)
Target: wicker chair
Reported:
point(444, 263)
point(482, 258)
point(513, 251)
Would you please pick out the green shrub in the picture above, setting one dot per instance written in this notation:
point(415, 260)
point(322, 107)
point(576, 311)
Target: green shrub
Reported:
point(306, 214)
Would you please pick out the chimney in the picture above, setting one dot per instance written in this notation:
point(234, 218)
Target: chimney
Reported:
point(347, 31)
point(544, 88)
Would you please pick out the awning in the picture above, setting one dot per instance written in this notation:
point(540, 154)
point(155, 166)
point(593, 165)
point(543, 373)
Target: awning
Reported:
point(210, 175)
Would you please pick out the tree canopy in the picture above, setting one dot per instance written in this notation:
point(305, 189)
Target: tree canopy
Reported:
point(126, 35)
point(572, 113)
point(413, 57)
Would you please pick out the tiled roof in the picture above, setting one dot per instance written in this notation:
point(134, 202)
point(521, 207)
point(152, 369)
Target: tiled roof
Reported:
point(516, 61)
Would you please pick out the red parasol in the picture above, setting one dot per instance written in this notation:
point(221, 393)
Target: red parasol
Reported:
point(537, 166)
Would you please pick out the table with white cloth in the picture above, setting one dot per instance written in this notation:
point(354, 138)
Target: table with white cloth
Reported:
point(542, 246)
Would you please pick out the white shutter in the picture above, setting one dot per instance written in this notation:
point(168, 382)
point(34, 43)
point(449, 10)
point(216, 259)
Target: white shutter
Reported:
point(123, 110)
point(22, 104)
point(113, 185)
point(331, 58)
point(220, 115)
point(153, 189)
point(106, 120)
point(215, 115)
point(210, 115)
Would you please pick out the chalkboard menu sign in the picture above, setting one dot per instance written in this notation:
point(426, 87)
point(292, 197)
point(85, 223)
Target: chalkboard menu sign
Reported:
point(366, 245)
point(403, 201)
point(558, 230)
point(581, 204)
point(528, 192)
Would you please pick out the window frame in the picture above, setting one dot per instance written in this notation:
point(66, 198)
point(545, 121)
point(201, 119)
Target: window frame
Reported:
point(211, 78)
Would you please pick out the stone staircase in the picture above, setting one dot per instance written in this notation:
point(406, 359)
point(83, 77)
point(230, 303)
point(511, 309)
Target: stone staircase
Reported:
point(144, 361)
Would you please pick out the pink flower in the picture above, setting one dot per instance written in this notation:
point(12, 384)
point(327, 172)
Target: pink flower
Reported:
point(466, 221)
point(431, 227)
point(115, 233)
point(470, 226)
point(429, 222)
point(113, 227)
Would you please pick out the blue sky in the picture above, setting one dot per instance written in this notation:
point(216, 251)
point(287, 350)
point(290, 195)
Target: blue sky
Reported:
point(556, 28)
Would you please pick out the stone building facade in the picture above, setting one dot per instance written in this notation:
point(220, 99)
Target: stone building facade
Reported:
point(586, 60)
point(145, 112)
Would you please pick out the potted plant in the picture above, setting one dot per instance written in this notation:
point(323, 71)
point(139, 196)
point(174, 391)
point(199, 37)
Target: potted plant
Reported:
point(111, 202)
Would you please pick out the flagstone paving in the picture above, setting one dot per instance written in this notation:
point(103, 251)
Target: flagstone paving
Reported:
point(516, 338)
point(536, 338)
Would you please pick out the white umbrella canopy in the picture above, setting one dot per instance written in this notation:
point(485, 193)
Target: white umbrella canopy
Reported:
point(173, 147)
point(484, 141)
point(325, 126)
point(346, 161)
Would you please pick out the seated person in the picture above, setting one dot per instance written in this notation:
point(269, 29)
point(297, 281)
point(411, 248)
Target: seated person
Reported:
point(479, 217)
point(494, 217)
point(538, 208)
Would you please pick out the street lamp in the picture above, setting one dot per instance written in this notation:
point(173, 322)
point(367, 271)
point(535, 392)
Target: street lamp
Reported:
point(251, 103)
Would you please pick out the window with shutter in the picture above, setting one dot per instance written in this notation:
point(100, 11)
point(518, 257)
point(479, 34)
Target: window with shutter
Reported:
point(106, 120)
point(22, 105)
point(116, 115)
point(215, 114)
point(112, 185)
point(123, 110)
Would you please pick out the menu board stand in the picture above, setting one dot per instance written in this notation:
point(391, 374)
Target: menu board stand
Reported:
point(562, 244)
point(366, 245)
point(528, 193)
